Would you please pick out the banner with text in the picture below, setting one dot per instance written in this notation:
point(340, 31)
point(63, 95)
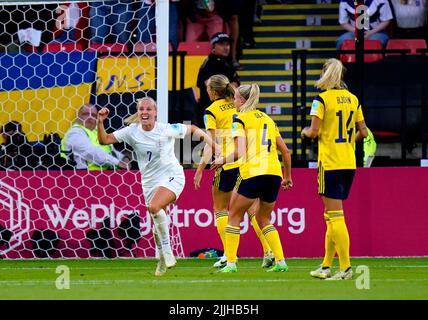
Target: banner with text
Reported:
point(386, 214)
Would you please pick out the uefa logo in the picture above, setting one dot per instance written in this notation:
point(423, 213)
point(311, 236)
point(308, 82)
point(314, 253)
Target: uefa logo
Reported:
point(14, 218)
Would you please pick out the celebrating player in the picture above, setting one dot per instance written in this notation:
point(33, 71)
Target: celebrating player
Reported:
point(218, 123)
point(334, 114)
point(162, 175)
point(257, 140)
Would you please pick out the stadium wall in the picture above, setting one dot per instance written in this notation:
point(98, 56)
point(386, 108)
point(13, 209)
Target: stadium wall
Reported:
point(386, 214)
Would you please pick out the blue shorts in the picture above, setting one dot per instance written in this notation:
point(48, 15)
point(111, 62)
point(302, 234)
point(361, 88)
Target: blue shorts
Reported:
point(265, 187)
point(225, 180)
point(335, 184)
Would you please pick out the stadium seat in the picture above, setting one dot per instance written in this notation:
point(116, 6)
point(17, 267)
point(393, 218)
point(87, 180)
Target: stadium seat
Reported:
point(368, 45)
point(195, 48)
point(29, 48)
point(147, 47)
point(109, 47)
point(386, 136)
point(412, 44)
point(58, 47)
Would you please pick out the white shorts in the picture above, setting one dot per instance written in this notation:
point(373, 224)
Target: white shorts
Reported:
point(174, 183)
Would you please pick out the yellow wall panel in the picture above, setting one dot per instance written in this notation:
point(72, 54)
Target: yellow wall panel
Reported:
point(121, 74)
point(44, 110)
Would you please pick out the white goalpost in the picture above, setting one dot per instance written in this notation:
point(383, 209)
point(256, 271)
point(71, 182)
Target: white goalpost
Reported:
point(56, 56)
point(162, 36)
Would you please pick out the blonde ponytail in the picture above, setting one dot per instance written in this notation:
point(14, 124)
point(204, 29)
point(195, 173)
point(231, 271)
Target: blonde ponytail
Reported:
point(251, 94)
point(133, 118)
point(221, 86)
point(332, 75)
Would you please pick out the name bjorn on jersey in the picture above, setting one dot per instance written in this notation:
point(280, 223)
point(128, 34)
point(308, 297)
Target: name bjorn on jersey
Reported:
point(343, 99)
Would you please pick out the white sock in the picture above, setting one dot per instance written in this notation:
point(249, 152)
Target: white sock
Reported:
point(281, 263)
point(160, 221)
point(157, 243)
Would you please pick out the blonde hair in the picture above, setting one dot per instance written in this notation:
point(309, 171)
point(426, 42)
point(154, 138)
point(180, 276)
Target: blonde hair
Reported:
point(134, 117)
point(251, 93)
point(221, 86)
point(332, 75)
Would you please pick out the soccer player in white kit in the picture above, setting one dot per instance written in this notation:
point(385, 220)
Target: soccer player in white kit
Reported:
point(162, 175)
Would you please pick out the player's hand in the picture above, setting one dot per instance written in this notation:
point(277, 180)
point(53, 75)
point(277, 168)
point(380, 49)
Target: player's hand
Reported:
point(197, 179)
point(302, 134)
point(126, 159)
point(217, 163)
point(217, 150)
point(103, 114)
point(123, 165)
point(287, 183)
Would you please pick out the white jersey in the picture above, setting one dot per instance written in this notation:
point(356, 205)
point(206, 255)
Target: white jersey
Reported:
point(378, 11)
point(154, 150)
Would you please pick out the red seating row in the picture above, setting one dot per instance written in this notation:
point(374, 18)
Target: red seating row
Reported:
point(412, 44)
point(192, 48)
point(98, 47)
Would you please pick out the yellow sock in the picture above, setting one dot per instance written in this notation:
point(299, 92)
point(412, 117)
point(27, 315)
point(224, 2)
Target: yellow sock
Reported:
point(272, 237)
point(232, 243)
point(330, 249)
point(221, 218)
point(340, 238)
point(259, 233)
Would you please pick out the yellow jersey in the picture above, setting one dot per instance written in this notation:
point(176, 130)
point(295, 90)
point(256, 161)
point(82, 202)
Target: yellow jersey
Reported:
point(261, 156)
point(219, 117)
point(338, 110)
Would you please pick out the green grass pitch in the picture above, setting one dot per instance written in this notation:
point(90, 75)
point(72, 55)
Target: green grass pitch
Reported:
point(195, 279)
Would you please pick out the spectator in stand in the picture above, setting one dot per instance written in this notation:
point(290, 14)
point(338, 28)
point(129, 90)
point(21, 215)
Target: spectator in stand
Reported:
point(247, 19)
point(202, 20)
point(217, 62)
point(229, 10)
point(16, 152)
point(110, 21)
point(411, 18)
point(146, 11)
point(81, 146)
point(380, 14)
point(72, 24)
point(258, 10)
point(26, 27)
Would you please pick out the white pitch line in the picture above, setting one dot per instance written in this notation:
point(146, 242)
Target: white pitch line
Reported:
point(192, 268)
point(168, 282)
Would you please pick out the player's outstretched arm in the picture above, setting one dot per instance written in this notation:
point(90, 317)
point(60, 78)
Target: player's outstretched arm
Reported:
point(312, 131)
point(287, 182)
point(206, 157)
point(103, 136)
point(192, 129)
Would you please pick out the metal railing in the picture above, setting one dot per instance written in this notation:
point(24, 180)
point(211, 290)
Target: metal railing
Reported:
point(300, 107)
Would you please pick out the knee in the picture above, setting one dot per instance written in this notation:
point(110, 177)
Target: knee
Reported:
point(234, 219)
point(262, 221)
point(220, 208)
point(153, 208)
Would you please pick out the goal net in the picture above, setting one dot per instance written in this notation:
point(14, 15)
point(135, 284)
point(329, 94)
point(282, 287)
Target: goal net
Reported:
point(56, 57)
